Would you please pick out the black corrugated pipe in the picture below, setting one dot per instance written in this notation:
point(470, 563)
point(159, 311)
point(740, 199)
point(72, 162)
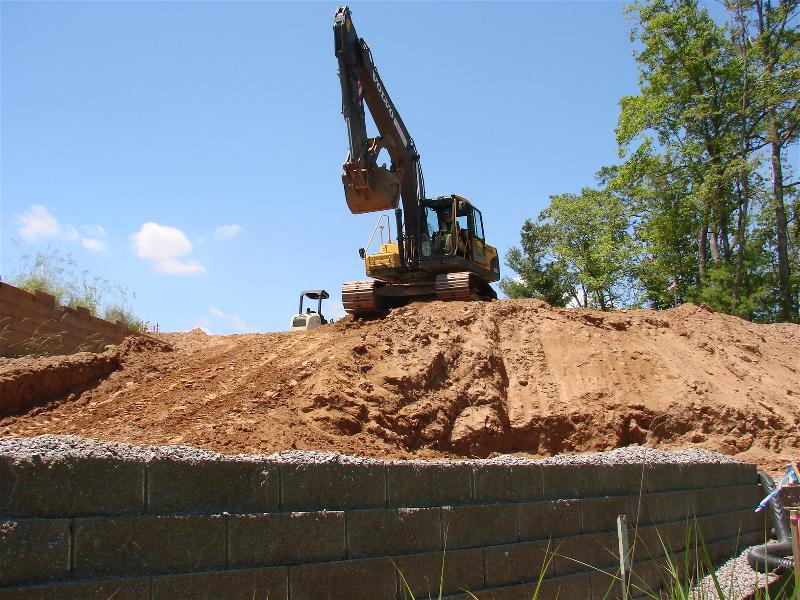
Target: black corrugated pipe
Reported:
point(772, 556)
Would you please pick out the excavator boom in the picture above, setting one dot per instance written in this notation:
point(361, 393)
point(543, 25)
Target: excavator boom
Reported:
point(368, 186)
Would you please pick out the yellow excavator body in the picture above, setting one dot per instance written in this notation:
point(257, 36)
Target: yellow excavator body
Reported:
point(387, 258)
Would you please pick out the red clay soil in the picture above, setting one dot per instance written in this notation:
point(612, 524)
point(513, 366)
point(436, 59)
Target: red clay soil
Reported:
point(455, 379)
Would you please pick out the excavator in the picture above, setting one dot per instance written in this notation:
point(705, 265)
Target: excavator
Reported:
point(440, 250)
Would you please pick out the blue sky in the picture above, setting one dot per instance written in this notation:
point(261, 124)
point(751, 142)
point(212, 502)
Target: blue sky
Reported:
point(192, 151)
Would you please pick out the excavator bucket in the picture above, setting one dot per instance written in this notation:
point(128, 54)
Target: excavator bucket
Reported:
point(371, 189)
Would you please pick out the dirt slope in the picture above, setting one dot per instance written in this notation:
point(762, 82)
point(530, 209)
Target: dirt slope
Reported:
point(443, 379)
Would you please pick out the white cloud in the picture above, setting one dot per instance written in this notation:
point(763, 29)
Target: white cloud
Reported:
point(227, 232)
point(235, 321)
point(38, 223)
point(93, 244)
point(175, 266)
point(164, 246)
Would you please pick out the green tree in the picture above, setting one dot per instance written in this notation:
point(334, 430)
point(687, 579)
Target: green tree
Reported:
point(688, 84)
point(577, 252)
point(540, 274)
point(778, 46)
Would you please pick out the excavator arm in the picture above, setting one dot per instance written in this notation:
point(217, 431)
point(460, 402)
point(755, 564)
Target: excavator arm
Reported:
point(368, 186)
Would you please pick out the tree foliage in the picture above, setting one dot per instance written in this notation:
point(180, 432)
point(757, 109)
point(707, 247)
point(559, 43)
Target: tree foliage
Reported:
point(577, 251)
point(701, 208)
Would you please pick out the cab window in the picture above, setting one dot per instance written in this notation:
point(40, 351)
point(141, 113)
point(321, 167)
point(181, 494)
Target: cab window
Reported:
point(477, 222)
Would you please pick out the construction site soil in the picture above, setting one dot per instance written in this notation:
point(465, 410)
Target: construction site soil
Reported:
point(440, 380)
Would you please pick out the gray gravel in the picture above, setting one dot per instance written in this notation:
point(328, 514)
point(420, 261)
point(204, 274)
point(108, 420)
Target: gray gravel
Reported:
point(50, 448)
point(736, 578)
point(54, 448)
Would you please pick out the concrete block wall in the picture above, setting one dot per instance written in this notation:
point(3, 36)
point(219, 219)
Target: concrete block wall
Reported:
point(141, 523)
point(34, 324)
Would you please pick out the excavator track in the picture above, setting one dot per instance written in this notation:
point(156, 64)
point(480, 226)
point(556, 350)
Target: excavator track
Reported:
point(454, 286)
point(463, 286)
point(358, 298)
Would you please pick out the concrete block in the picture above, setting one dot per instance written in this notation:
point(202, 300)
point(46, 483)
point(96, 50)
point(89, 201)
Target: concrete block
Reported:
point(710, 501)
point(569, 481)
point(666, 477)
point(740, 497)
point(237, 584)
point(206, 487)
point(670, 537)
point(428, 485)
point(655, 541)
point(738, 474)
point(364, 579)
point(650, 508)
point(605, 584)
point(47, 300)
point(393, 531)
point(574, 587)
point(284, 538)
point(148, 545)
point(519, 563)
point(511, 592)
point(683, 505)
point(752, 539)
point(549, 519)
point(71, 487)
point(93, 589)
point(722, 550)
point(480, 525)
point(620, 480)
point(600, 514)
point(712, 528)
point(578, 553)
point(463, 569)
point(507, 483)
point(647, 575)
point(734, 524)
point(34, 550)
point(702, 475)
point(332, 486)
point(748, 496)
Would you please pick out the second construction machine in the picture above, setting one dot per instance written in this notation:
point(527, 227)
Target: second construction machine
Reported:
point(440, 251)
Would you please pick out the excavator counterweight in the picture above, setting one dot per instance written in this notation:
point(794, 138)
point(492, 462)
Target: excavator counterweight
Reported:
point(440, 251)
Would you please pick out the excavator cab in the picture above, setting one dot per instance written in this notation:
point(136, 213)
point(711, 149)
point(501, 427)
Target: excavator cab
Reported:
point(452, 228)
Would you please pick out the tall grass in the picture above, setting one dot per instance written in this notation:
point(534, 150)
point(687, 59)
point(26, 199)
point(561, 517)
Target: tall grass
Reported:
point(685, 575)
point(56, 274)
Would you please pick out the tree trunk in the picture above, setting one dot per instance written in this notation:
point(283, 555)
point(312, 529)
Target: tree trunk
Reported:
point(741, 232)
point(764, 10)
point(744, 177)
point(701, 248)
point(713, 244)
point(724, 234)
point(786, 308)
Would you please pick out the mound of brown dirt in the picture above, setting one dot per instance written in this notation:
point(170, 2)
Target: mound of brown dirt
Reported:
point(444, 379)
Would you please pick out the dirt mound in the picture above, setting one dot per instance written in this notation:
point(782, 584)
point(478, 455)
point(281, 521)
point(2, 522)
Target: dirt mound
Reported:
point(444, 379)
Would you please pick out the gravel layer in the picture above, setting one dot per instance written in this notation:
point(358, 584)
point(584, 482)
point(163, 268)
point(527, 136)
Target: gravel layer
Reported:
point(50, 448)
point(736, 578)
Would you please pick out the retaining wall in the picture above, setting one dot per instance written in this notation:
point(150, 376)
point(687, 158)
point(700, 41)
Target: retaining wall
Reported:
point(34, 324)
point(86, 520)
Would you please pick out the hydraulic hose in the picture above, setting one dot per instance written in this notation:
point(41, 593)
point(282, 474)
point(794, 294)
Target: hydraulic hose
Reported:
point(772, 556)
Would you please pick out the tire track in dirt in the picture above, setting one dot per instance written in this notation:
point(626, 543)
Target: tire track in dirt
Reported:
point(455, 379)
